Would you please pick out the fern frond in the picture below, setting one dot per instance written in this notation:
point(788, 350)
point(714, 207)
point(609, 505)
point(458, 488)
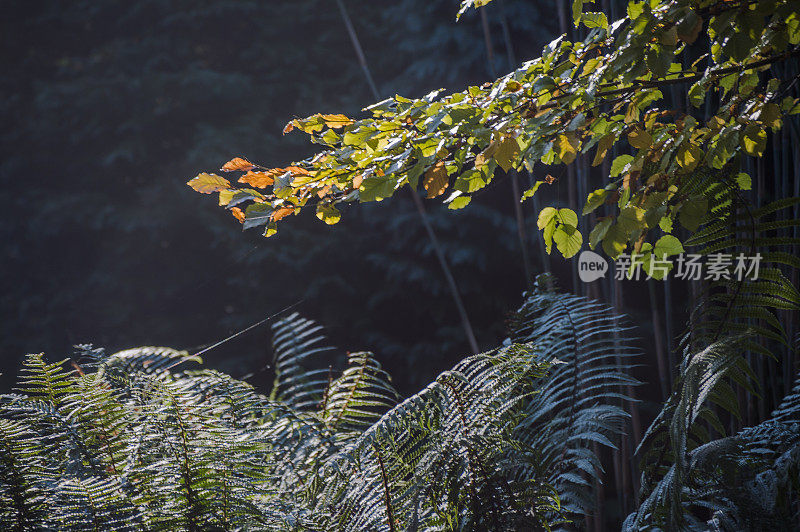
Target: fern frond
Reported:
point(581, 399)
point(301, 361)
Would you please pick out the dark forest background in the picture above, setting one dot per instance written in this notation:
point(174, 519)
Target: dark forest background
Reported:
point(109, 107)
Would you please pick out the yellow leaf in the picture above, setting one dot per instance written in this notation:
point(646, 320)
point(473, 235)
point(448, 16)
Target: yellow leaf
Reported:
point(238, 214)
point(435, 181)
point(689, 156)
point(603, 146)
point(237, 163)
point(208, 183)
point(483, 157)
point(328, 213)
point(225, 196)
point(567, 147)
point(507, 153)
point(336, 121)
point(260, 179)
point(632, 114)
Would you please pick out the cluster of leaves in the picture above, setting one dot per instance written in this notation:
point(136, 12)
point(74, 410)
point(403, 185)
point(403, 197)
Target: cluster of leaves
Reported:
point(597, 93)
point(145, 439)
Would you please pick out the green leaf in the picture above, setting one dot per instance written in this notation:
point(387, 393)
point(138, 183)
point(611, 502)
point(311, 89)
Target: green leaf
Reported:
point(599, 231)
point(689, 156)
point(457, 200)
point(744, 181)
point(546, 216)
point(595, 20)
point(615, 241)
point(507, 153)
point(619, 164)
point(531, 191)
point(566, 147)
point(665, 224)
point(328, 213)
point(697, 94)
point(376, 188)
point(577, 11)
point(635, 9)
point(754, 140)
point(567, 217)
point(257, 214)
point(594, 200)
point(692, 212)
point(631, 219)
point(667, 245)
point(547, 234)
point(568, 240)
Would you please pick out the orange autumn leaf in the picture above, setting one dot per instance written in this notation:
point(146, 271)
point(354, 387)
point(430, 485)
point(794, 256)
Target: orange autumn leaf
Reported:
point(259, 179)
point(324, 191)
point(435, 181)
point(289, 127)
point(281, 212)
point(295, 170)
point(237, 163)
point(238, 214)
point(357, 180)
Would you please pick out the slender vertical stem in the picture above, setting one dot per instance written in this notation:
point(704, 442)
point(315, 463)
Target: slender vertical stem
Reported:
point(523, 240)
point(386, 494)
point(563, 17)
point(669, 331)
point(362, 60)
point(659, 341)
point(487, 37)
point(572, 181)
point(451, 283)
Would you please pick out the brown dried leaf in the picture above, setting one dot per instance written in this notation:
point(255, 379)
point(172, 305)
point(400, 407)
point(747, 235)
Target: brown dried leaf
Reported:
point(435, 181)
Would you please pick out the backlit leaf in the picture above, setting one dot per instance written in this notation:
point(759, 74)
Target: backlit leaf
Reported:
point(619, 164)
point(689, 156)
point(507, 153)
point(207, 183)
point(281, 212)
point(754, 140)
point(260, 179)
point(336, 121)
point(568, 240)
point(328, 213)
point(435, 180)
point(236, 164)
